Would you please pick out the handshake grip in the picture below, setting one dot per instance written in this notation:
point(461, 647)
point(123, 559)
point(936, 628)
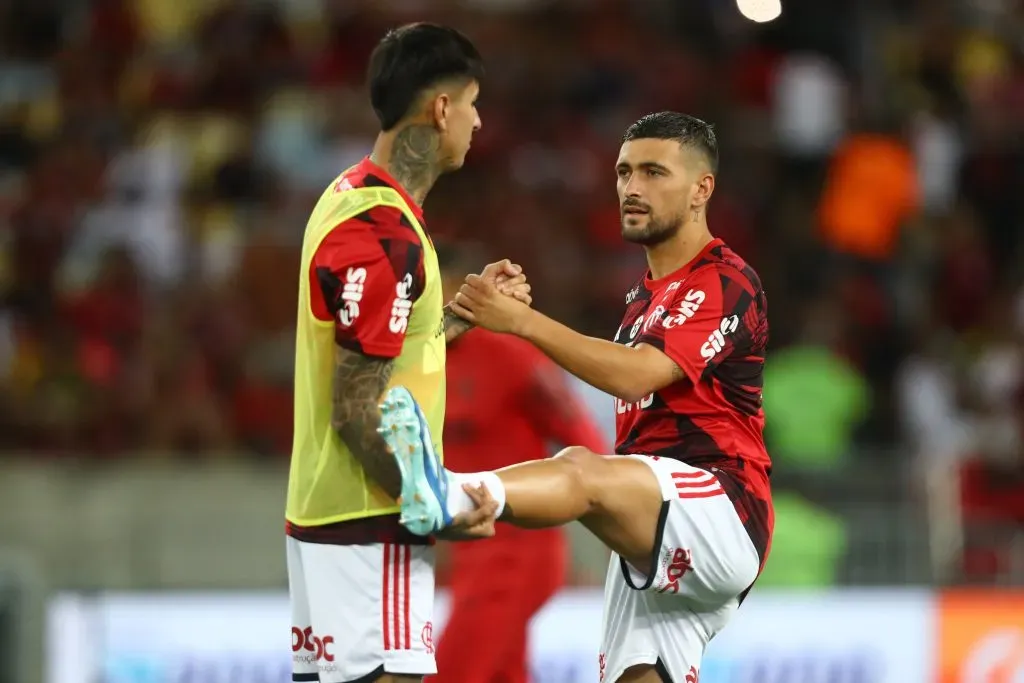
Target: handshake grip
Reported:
point(509, 279)
point(498, 299)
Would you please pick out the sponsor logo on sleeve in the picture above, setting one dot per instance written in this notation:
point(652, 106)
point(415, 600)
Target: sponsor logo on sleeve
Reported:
point(351, 295)
point(401, 307)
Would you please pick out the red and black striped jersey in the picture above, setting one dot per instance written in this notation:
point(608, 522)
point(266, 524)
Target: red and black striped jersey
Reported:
point(374, 252)
point(710, 317)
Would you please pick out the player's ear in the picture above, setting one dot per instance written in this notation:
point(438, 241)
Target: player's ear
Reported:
point(703, 190)
point(442, 103)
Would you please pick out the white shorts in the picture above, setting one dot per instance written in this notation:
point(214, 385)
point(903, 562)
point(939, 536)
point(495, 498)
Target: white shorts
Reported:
point(359, 611)
point(703, 561)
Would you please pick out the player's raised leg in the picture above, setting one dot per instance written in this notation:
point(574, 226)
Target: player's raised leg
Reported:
point(618, 498)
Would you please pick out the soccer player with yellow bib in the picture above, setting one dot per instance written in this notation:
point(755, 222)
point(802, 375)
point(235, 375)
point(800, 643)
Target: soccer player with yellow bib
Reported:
point(370, 317)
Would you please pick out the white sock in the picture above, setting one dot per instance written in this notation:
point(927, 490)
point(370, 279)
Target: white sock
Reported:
point(459, 500)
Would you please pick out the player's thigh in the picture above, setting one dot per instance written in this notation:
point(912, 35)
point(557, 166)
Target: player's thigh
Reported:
point(515, 664)
point(499, 603)
point(625, 500)
point(702, 552)
point(664, 614)
point(464, 656)
point(369, 608)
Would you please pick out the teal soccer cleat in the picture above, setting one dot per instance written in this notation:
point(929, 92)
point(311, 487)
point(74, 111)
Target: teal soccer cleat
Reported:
point(424, 480)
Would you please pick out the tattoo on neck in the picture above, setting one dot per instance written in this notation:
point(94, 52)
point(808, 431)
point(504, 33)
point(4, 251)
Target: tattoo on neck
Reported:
point(416, 159)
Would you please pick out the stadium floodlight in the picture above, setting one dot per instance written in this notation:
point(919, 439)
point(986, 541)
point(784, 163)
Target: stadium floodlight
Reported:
point(761, 11)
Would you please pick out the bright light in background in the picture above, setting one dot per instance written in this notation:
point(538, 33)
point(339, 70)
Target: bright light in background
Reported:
point(760, 11)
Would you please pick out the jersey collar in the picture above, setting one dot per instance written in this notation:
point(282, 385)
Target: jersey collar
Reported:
point(367, 167)
point(685, 270)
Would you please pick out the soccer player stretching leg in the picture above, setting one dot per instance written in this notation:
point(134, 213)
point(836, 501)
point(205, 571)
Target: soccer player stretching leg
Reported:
point(370, 316)
point(685, 505)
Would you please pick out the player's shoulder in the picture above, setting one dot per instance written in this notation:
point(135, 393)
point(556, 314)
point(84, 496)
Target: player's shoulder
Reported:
point(373, 235)
point(375, 227)
point(728, 268)
point(365, 214)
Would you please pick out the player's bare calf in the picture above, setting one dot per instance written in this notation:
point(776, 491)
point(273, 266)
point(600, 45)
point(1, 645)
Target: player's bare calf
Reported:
point(616, 497)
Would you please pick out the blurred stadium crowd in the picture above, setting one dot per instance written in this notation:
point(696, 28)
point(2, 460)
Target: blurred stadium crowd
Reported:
point(158, 160)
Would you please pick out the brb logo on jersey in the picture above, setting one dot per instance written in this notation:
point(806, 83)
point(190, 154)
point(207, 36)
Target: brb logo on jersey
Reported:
point(402, 306)
point(351, 295)
point(319, 649)
point(691, 302)
point(716, 341)
point(680, 563)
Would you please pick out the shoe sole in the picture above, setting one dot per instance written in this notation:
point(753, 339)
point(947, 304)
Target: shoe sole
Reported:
point(401, 428)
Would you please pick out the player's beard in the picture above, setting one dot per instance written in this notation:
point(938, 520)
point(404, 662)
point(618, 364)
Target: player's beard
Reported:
point(654, 232)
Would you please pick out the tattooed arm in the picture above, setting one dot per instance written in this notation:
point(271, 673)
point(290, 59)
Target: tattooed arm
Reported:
point(454, 326)
point(359, 385)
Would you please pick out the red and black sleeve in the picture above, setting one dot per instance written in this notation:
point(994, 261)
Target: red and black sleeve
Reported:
point(364, 275)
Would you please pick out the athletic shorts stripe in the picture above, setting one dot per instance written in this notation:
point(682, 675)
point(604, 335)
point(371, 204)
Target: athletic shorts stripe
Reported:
point(690, 475)
point(406, 571)
point(691, 485)
point(384, 601)
point(396, 597)
point(396, 607)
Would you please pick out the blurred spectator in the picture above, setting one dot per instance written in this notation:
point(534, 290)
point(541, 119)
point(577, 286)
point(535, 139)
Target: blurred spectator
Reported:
point(934, 423)
point(808, 546)
point(814, 396)
point(809, 106)
point(870, 195)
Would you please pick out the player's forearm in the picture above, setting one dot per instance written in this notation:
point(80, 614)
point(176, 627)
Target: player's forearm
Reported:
point(359, 384)
point(612, 368)
point(359, 432)
point(454, 326)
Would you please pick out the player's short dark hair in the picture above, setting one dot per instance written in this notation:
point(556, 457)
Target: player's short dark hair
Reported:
point(412, 58)
point(672, 125)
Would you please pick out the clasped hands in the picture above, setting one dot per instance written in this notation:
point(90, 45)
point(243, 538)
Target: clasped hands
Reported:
point(498, 299)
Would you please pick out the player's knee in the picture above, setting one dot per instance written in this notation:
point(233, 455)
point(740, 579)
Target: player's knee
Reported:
point(586, 467)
